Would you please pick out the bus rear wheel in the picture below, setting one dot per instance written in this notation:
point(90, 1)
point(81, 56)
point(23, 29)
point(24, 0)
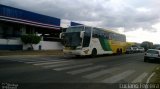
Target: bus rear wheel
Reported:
point(94, 53)
point(119, 51)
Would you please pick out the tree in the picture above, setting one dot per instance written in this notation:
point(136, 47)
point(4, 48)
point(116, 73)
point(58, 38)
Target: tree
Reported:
point(155, 46)
point(30, 39)
point(147, 45)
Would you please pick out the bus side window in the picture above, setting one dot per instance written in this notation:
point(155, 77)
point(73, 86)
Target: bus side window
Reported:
point(95, 33)
point(106, 35)
point(110, 36)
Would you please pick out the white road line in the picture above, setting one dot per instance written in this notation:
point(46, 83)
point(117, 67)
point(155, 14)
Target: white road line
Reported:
point(72, 67)
point(43, 61)
point(150, 77)
point(55, 65)
point(30, 60)
point(21, 60)
point(118, 77)
point(85, 69)
point(157, 68)
point(48, 63)
point(100, 73)
point(26, 60)
point(140, 78)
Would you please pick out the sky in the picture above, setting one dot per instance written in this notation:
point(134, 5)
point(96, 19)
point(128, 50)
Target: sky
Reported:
point(139, 20)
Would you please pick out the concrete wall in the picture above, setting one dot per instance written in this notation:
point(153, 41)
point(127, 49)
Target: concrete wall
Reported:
point(10, 44)
point(16, 43)
point(46, 45)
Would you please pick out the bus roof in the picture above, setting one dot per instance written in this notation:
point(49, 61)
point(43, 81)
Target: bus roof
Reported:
point(106, 30)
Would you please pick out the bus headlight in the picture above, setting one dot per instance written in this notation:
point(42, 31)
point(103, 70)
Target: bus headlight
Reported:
point(79, 47)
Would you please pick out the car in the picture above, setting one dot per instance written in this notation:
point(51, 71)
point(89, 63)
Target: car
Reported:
point(129, 50)
point(158, 48)
point(141, 49)
point(152, 55)
point(135, 49)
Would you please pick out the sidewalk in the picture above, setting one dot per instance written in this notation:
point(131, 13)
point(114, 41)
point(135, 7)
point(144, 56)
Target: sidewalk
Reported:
point(42, 52)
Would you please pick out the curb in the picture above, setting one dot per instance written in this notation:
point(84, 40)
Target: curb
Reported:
point(32, 53)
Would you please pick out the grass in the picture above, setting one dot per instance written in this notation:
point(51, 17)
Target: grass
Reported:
point(156, 77)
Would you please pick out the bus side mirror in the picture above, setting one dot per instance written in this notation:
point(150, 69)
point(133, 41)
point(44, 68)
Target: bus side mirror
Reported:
point(82, 34)
point(60, 35)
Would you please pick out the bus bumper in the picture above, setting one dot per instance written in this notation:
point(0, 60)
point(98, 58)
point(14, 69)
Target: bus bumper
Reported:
point(75, 52)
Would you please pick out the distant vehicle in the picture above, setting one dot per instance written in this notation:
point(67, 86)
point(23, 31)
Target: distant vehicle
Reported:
point(152, 55)
point(129, 50)
point(86, 40)
point(158, 48)
point(141, 49)
point(135, 49)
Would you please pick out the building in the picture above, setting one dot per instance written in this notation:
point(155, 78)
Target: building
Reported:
point(16, 22)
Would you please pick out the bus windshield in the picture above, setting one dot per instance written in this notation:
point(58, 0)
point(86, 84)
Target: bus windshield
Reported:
point(72, 39)
point(72, 36)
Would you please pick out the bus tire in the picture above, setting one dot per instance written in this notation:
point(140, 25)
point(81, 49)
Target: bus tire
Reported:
point(118, 52)
point(121, 51)
point(94, 52)
point(77, 56)
point(145, 59)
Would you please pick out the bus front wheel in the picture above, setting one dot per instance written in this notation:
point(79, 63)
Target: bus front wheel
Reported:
point(94, 53)
point(121, 51)
point(78, 56)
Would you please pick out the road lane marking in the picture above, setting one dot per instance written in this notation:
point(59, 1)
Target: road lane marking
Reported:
point(72, 67)
point(43, 61)
point(55, 62)
point(85, 69)
point(100, 73)
point(157, 68)
point(150, 77)
point(118, 77)
point(55, 65)
point(21, 60)
point(28, 60)
point(140, 78)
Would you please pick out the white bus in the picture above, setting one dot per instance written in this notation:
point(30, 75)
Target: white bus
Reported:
point(86, 40)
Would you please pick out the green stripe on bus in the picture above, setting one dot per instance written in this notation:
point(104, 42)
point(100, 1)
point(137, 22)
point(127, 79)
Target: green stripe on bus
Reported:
point(105, 44)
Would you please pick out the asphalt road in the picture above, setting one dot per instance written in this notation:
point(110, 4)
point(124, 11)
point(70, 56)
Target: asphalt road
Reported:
point(49, 70)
